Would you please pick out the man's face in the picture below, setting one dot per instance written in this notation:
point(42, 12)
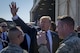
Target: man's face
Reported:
point(45, 24)
point(21, 33)
point(0, 31)
point(22, 37)
point(60, 29)
point(4, 26)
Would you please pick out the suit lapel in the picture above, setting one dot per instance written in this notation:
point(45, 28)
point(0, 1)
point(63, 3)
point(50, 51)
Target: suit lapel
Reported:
point(55, 42)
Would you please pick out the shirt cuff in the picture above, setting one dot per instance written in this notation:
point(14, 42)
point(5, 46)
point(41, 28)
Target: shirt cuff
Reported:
point(15, 17)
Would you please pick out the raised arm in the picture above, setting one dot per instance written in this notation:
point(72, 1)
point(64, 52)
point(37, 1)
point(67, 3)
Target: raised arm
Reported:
point(13, 8)
point(17, 20)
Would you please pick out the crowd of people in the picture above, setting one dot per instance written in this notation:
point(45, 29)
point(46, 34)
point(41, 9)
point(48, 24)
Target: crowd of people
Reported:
point(48, 38)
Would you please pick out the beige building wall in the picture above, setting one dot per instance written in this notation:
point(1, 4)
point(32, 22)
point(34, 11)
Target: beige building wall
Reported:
point(68, 7)
point(35, 4)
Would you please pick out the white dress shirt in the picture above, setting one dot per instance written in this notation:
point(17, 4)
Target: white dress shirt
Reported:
point(50, 39)
point(28, 41)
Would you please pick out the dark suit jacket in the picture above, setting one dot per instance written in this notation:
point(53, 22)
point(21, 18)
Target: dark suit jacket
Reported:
point(55, 43)
point(32, 33)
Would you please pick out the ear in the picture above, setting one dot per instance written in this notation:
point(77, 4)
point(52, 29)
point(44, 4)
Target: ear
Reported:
point(18, 36)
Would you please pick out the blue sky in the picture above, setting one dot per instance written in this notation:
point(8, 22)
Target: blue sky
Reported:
point(23, 12)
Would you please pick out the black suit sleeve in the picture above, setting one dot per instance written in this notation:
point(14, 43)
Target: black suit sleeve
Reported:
point(31, 32)
point(55, 38)
point(24, 26)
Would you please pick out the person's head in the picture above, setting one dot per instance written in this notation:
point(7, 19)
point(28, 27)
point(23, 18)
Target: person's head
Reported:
point(0, 31)
point(4, 26)
point(45, 22)
point(65, 26)
point(16, 35)
point(53, 26)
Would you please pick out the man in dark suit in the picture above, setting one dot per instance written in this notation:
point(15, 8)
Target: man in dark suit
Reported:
point(26, 29)
point(46, 36)
point(30, 31)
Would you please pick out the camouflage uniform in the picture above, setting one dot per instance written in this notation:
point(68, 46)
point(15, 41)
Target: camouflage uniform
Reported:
point(70, 45)
point(12, 48)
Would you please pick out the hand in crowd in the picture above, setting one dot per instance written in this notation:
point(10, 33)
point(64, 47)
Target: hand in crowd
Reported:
point(41, 38)
point(13, 8)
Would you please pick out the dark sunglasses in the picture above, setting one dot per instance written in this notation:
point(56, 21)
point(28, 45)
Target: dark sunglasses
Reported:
point(4, 26)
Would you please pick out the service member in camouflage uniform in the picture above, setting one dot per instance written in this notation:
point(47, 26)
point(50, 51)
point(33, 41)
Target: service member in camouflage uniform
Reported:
point(15, 36)
point(71, 41)
point(65, 29)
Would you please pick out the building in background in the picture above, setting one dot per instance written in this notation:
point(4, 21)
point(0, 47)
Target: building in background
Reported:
point(68, 7)
point(42, 7)
point(9, 23)
point(55, 8)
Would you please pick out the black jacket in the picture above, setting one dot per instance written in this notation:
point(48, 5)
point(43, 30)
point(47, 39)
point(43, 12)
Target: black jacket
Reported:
point(31, 32)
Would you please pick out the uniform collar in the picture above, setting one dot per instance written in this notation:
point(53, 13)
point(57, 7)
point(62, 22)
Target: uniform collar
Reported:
point(69, 36)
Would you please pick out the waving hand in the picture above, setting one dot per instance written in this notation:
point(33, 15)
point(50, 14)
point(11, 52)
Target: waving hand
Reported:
point(13, 8)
